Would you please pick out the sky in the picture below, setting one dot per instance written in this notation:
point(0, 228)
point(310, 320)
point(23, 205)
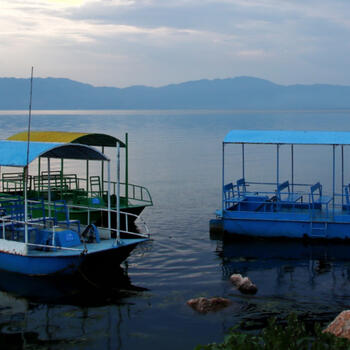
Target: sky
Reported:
point(158, 42)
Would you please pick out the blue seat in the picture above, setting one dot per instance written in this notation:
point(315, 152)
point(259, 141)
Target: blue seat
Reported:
point(35, 208)
point(241, 187)
point(317, 199)
point(284, 194)
point(61, 209)
point(234, 193)
point(346, 206)
point(229, 195)
point(17, 216)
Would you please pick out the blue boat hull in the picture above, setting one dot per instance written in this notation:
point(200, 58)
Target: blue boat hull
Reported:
point(68, 264)
point(277, 225)
point(38, 265)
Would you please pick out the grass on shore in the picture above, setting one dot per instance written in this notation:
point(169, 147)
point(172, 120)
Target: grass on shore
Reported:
point(292, 335)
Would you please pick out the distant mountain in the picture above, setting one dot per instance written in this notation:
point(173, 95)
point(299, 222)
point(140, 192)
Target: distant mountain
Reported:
point(234, 93)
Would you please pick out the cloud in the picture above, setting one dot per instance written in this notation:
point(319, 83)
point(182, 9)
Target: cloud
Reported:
point(154, 42)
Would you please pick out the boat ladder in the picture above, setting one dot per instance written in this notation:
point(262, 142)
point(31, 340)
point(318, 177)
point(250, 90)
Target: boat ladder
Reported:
point(318, 229)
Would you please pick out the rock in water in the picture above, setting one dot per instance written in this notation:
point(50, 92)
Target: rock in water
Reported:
point(236, 279)
point(243, 284)
point(247, 287)
point(204, 305)
point(340, 326)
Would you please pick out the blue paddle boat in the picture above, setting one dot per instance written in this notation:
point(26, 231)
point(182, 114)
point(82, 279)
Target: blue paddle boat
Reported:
point(281, 207)
point(38, 237)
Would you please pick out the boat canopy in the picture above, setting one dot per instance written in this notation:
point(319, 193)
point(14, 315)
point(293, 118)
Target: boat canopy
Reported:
point(288, 137)
point(14, 153)
point(90, 139)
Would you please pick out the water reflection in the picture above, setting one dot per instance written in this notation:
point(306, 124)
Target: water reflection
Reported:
point(310, 279)
point(89, 308)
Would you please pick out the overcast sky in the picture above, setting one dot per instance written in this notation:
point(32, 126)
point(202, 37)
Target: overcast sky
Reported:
point(158, 42)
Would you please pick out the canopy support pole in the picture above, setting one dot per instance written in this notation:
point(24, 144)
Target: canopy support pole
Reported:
point(223, 178)
point(49, 186)
point(109, 197)
point(118, 192)
point(292, 165)
point(342, 175)
point(61, 178)
point(39, 170)
point(103, 172)
point(278, 165)
point(126, 167)
point(333, 178)
point(27, 162)
point(243, 162)
point(25, 205)
point(87, 177)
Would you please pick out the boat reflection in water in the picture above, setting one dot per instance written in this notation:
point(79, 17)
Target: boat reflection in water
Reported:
point(312, 280)
point(67, 312)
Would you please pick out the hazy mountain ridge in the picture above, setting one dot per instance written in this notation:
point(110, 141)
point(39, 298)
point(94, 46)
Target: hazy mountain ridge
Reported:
point(232, 93)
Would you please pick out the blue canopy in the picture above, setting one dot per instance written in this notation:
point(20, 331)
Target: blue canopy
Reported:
point(288, 137)
point(14, 153)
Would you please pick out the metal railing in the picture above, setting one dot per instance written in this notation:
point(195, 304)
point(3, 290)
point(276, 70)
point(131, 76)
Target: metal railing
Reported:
point(132, 192)
point(270, 201)
point(13, 182)
point(122, 213)
point(5, 220)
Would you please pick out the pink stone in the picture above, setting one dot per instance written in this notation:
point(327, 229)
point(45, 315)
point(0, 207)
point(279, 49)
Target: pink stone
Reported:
point(205, 305)
point(236, 279)
point(243, 284)
point(340, 326)
point(247, 287)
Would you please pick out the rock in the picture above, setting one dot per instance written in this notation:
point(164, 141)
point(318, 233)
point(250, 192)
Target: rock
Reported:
point(340, 326)
point(247, 287)
point(243, 284)
point(205, 305)
point(236, 279)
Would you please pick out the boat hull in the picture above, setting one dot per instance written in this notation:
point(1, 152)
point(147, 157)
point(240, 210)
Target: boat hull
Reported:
point(277, 225)
point(66, 263)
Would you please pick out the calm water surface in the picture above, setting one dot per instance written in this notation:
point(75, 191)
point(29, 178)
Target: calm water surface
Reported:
point(177, 156)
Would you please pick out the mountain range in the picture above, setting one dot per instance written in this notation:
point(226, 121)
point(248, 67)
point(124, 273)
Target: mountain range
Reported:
point(246, 93)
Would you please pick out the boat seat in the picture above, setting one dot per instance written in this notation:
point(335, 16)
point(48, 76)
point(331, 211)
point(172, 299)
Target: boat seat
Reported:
point(95, 186)
point(61, 209)
point(16, 225)
point(317, 198)
point(229, 194)
point(37, 212)
point(241, 187)
point(346, 206)
point(284, 194)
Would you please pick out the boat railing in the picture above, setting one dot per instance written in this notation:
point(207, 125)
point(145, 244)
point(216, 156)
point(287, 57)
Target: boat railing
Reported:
point(71, 186)
point(132, 192)
point(128, 192)
point(139, 218)
point(126, 215)
point(268, 196)
point(13, 182)
point(7, 220)
point(35, 223)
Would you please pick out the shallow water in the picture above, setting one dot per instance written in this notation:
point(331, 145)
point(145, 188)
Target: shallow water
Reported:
point(177, 156)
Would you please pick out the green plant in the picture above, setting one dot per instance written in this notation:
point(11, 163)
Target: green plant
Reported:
point(292, 335)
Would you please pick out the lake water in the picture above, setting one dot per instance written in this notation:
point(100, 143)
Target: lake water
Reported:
point(177, 156)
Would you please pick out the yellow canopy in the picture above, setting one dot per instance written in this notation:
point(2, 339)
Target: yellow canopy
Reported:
point(68, 137)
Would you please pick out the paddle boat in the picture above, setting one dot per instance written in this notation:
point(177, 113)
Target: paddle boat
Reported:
point(90, 190)
point(282, 208)
point(39, 237)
